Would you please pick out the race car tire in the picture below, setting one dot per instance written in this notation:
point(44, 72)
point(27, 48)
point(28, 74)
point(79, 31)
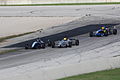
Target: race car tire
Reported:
point(53, 45)
point(37, 47)
point(43, 47)
point(26, 46)
point(66, 46)
point(49, 44)
point(60, 46)
point(91, 34)
point(76, 42)
point(70, 44)
point(114, 31)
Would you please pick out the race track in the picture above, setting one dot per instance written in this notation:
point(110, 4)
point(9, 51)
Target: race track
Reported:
point(110, 16)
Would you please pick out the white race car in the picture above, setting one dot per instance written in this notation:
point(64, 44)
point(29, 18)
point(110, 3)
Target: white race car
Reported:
point(65, 43)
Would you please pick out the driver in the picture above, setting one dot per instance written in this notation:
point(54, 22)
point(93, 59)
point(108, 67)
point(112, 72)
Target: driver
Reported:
point(65, 39)
point(103, 29)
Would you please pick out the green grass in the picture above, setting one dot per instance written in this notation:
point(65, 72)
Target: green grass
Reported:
point(58, 4)
point(113, 74)
point(8, 51)
point(13, 36)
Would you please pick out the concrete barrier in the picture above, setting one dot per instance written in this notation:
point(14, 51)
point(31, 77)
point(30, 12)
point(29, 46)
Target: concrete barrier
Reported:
point(5, 2)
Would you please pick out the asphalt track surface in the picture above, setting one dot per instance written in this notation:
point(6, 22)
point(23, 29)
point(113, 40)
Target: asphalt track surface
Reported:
point(29, 56)
point(61, 11)
point(86, 43)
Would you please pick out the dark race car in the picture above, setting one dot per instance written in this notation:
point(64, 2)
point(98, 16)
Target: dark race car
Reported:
point(49, 43)
point(103, 32)
point(38, 44)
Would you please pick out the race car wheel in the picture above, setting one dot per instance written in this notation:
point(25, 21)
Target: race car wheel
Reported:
point(91, 34)
point(38, 47)
point(49, 44)
point(60, 46)
point(76, 42)
point(53, 45)
point(66, 46)
point(43, 46)
point(114, 31)
point(70, 44)
point(26, 46)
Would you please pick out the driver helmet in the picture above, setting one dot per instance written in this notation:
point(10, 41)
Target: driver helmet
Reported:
point(37, 40)
point(65, 39)
point(103, 28)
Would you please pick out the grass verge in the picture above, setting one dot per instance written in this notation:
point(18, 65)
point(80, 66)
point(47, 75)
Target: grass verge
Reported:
point(113, 74)
point(13, 36)
point(59, 4)
point(8, 51)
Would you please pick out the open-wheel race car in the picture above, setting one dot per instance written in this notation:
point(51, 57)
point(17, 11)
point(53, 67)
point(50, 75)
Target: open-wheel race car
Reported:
point(38, 44)
point(103, 32)
point(65, 43)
